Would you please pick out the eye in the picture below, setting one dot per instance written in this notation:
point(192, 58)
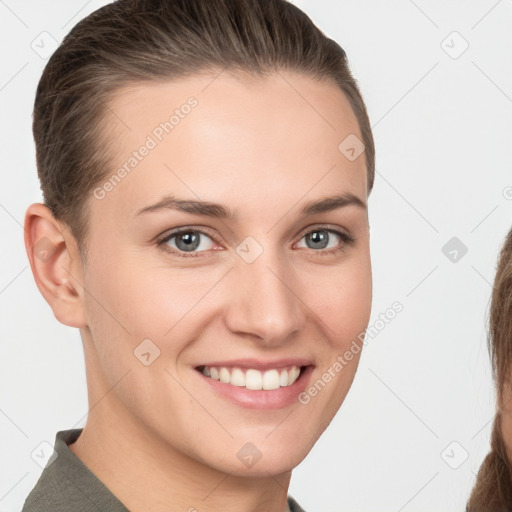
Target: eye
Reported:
point(191, 242)
point(326, 241)
point(186, 241)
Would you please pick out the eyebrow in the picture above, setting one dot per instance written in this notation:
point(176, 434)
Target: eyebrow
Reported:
point(217, 210)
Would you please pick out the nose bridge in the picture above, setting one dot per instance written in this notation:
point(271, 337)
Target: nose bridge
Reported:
point(263, 301)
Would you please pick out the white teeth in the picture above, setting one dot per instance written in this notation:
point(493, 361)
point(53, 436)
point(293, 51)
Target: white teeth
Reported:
point(271, 379)
point(254, 379)
point(224, 375)
point(294, 373)
point(237, 377)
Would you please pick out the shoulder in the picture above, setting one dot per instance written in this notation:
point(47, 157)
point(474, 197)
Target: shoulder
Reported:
point(66, 483)
point(294, 506)
point(51, 493)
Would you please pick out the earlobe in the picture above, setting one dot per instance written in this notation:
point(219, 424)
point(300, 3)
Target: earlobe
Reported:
point(56, 266)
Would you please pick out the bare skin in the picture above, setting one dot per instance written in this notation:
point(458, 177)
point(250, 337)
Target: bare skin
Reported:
point(158, 436)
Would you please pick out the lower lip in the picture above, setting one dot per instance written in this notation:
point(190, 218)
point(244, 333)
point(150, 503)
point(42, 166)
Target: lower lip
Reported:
point(261, 399)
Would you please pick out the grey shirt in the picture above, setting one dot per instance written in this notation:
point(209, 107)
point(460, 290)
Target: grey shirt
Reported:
point(68, 485)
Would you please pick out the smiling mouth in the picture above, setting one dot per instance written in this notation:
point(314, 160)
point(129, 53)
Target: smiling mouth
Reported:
point(254, 379)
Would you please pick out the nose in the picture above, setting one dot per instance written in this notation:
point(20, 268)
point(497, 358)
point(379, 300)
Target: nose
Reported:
point(264, 300)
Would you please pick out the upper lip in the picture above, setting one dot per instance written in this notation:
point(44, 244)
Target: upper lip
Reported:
point(260, 365)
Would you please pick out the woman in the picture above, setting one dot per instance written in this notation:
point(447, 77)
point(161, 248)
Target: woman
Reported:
point(205, 166)
point(493, 487)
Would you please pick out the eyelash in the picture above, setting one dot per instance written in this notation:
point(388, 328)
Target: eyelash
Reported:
point(345, 240)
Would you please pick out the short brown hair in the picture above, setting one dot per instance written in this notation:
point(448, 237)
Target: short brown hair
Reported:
point(130, 41)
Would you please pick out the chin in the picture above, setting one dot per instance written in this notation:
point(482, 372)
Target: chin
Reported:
point(262, 461)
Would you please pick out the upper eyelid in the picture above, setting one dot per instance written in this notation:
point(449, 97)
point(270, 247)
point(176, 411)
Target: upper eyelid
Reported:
point(186, 229)
point(327, 227)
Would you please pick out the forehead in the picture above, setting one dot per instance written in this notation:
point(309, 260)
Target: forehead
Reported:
point(230, 139)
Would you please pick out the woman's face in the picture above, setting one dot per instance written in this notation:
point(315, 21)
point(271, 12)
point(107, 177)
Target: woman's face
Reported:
point(263, 282)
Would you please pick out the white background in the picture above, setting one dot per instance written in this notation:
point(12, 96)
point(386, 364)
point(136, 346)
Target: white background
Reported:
point(443, 132)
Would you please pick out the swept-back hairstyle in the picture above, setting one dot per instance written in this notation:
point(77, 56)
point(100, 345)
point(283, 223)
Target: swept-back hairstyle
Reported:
point(130, 41)
point(493, 488)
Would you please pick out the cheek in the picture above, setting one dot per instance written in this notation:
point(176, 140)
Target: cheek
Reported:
point(344, 312)
point(132, 310)
point(345, 305)
point(133, 300)
point(146, 300)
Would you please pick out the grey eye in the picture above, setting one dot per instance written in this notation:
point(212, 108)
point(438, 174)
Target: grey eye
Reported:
point(188, 241)
point(320, 238)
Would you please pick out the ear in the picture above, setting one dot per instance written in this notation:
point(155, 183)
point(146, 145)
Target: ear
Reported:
point(56, 264)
